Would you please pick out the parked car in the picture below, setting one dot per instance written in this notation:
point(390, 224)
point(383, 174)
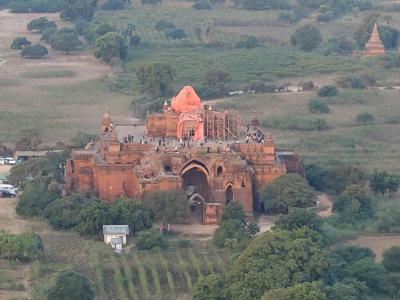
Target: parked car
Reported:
point(2, 161)
point(6, 194)
point(10, 161)
point(8, 189)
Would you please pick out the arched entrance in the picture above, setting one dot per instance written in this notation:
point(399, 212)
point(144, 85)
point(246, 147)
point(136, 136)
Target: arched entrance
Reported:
point(197, 188)
point(229, 194)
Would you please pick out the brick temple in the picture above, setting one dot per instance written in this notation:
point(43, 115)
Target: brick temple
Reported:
point(189, 146)
point(374, 46)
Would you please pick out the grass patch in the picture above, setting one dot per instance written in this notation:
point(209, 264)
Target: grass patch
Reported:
point(294, 123)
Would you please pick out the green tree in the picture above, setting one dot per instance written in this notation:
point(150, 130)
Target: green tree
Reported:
point(306, 37)
point(234, 211)
point(363, 32)
point(65, 39)
point(318, 106)
point(20, 42)
point(46, 36)
point(91, 219)
point(354, 204)
point(34, 51)
point(40, 24)
point(327, 91)
point(95, 30)
point(109, 46)
point(150, 239)
point(78, 9)
point(389, 36)
point(71, 285)
point(391, 259)
point(156, 79)
point(366, 270)
point(63, 212)
point(167, 206)
point(150, 2)
point(347, 289)
point(113, 5)
point(297, 218)
point(81, 139)
point(288, 191)
point(23, 246)
point(301, 291)
point(276, 259)
point(215, 83)
point(35, 197)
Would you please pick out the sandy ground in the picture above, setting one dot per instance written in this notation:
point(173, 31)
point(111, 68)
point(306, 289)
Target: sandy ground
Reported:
point(324, 208)
point(12, 66)
point(378, 244)
point(4, 169)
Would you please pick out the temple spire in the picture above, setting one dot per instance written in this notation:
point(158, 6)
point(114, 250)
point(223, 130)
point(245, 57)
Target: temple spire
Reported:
point(374, 46)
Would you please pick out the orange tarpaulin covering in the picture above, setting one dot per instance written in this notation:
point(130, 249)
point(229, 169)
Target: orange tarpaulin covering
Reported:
point(186, 101)
point(199, 127)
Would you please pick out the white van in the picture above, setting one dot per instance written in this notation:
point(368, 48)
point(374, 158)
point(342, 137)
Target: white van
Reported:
point(10, 161)
point(8, 188)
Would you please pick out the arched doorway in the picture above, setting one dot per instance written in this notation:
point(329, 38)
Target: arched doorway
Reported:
point(197, 188)
point(229, 194)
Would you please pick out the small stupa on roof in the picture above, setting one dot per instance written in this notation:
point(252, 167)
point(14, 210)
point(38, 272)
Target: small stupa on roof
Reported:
point(374, 46)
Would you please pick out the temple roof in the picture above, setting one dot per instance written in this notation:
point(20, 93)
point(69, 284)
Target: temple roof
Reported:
point(375, 39)
point(186, 101)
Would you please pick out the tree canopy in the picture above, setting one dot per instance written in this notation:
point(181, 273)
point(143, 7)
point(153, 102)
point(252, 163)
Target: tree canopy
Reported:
point(306, 37)
point(78, 9)
point(288, 191)
point(34, 51)
point(110, 45)
point(65, 39)
point(156, 79)
point(71, 285)
point(23, 246)
point(41, 24)
point(297, 218)
point(19, 42)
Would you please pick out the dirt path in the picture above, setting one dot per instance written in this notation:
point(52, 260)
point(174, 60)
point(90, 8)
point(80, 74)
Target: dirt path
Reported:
point(378, 244)
point(324, 207)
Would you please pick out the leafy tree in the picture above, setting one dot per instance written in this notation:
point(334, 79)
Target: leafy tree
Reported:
point(301, 291)
point(365, 118)
point(206, 32)
point(211, 287)
point(340, 46)
point(318, 106)
point(66, 40)
point(263, 4)
point(78, 9)
point(202, 4)
point(327, 91)
point(215, 83)
point(363, 32)
point(276, 259)
point(34, 51)
point(23, 246)
point(46, 36)
point(20, 42)
point(95, 30)
point(91, 219)
point(234, 211)
point(306, 37)
point(288, 191)
point(135, 40)
point(391, 259)
point(347, 289)
point(366, 270)
point(248, 42)
point(132, 213)
point(344, 175)
point(389, 36)
point(167, 206)
point(150, 239)
point(297, 218)
point(110, 45)
point(113, 5)
point(156, 79)
point(391, 60)
point(63, 212)
point(35, 197)
point(164, 25)
point(354, 204)
point(71, 285)
point(40, 24)
point(176, 34)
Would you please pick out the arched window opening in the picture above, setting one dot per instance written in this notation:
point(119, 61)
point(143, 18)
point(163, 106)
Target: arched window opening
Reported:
point(219, 171)
point(229, 194)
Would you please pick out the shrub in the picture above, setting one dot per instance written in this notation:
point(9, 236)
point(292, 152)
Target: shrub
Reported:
point(20, 42)
point(391, 259)
point(365, 118)
point(340, 46)
point(264, 4)
point(164, 25)
point(23, 246)
point(71, 285)
point(94, 30)
point(135, 40)
point(65, 39)
point(306, 37)
point(215, 83)
point(78, 9)
point(47, 34)
point(293, 123)
point(297, 218)
point(318, 106)
point(176, 34)
point(183, 243)
point(248, 42)
point(356, 81)
point(81, 139)
point(202, 4)
point(150, 239)
point(113, 5)
point(41, 24)
point(327, 91)
point(35, 51)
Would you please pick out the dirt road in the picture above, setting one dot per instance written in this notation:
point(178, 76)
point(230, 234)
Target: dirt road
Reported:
point(378, 244)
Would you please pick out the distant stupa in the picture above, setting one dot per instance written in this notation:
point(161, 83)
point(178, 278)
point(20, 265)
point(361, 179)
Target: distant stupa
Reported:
point(374, 46)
